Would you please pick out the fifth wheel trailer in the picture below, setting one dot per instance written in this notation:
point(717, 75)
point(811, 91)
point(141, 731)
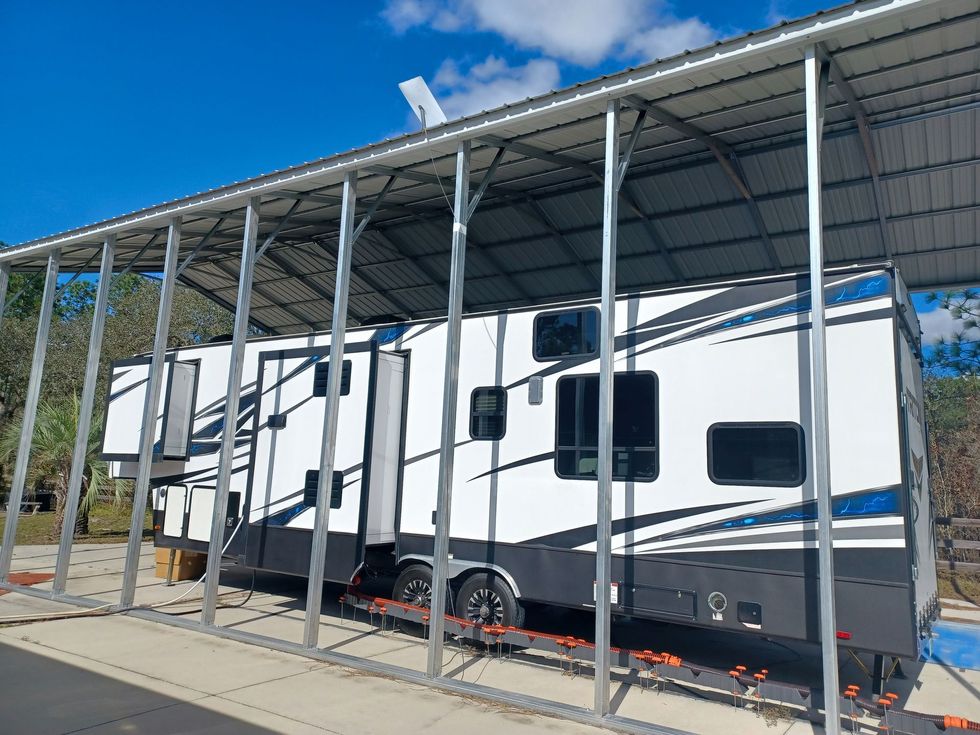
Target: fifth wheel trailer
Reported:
point(714, 521)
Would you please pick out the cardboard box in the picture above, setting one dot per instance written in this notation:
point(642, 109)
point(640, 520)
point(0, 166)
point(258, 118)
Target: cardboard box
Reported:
point(187, 564)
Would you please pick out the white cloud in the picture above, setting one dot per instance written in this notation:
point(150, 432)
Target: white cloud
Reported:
point(939, 324)
point(580, 31)
point(491, 83)
point(668, 38)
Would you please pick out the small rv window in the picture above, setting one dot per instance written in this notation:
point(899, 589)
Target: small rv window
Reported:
point(634, 427)
point(756, 454)
point(488, 413)
point(321, 374)
point(566, 333)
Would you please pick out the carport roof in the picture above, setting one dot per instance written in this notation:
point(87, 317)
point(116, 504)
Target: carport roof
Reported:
point(716, 188)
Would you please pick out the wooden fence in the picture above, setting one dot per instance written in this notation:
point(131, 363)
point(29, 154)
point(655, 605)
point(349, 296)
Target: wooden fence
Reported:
point(951, 545)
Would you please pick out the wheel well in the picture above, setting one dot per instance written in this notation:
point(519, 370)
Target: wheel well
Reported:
point(466, 570)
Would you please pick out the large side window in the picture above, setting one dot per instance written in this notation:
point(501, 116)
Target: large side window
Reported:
point(561, 334)
point(634, 427)
point(763, 453)
point(488, 413)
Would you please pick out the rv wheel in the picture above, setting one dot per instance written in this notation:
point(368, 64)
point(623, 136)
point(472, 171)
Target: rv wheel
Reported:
point(413, 586)
point(486, 598)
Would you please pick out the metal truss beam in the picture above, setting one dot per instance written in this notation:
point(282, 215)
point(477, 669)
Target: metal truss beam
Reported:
point(366, 219)
point(271, 237)
point(323, 293)
point(226, 452)
point(149, 418)
point(537, 212)
point(867, 144)
point(725, 156)
point(373, 284)
point(199, 247)
point(135, 259)
point(79, 458)
point(450, 399)
point(419, 265)
point(816, 73)
point(261, 291)
point(321, 523)
point(19, 479)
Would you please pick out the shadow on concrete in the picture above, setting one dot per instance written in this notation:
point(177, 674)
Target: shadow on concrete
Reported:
point(43, 696)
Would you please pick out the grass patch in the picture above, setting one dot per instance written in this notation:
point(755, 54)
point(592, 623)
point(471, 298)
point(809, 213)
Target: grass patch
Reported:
point(108, 524)
point(959, 586)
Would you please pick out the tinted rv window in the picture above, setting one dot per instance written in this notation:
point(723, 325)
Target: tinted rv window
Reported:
point(756, 454)
point(634, 427)
point(565, 334)
point(488, 413)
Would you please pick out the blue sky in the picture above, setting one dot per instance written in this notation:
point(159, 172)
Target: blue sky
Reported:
point(108, 107)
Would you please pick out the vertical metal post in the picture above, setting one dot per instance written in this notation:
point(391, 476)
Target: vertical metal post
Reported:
point(444, 491)
point(816, 77)
point(150, 407)
point(338, 329)
point(607, 346)
point(4, 285)
point(30, 412)
point(226, 453)
point(79, 458)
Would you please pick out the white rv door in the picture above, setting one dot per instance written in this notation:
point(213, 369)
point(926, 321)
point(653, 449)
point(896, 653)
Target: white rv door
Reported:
point(287, 445)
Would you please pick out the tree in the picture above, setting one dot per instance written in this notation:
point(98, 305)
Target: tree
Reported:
point(55, 427)
point(960, 353)
point(129, 330)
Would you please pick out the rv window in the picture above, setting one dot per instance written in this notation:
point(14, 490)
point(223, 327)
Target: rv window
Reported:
point(488, 413)
point(634, 427)
point(756, 454)
point(566, 333)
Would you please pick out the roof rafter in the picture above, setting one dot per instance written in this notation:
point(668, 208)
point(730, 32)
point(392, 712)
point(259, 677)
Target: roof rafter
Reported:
point(726, 157)
point(867, 144)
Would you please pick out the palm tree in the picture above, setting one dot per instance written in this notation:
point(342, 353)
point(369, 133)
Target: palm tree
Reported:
point(55, 427)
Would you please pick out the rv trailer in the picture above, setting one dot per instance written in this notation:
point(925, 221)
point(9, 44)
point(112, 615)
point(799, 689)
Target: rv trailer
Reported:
point(714, 509)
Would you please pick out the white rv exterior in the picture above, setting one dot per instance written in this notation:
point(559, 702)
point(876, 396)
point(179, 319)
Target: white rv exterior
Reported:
point(713, 506)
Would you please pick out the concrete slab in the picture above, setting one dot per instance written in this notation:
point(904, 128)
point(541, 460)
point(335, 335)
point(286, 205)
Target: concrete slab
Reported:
point(292, 688)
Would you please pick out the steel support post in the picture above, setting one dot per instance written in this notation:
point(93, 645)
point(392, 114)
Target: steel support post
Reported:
point(4, 285)
point(150, 407)
point(607, 355)
point(816, 81)
point(79, 458)
point(338, 329)
point(30, 412)
point(226, 454)
point(444, 491)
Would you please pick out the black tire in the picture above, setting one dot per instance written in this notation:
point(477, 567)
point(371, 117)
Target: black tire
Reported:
point(413, 586)
point(486, 598)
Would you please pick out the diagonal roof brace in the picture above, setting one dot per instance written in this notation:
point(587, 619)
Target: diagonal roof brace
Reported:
point(867, 144)
point(725, 156)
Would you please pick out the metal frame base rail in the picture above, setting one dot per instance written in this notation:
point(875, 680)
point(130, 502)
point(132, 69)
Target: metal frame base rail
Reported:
point(898, 720)
point(662, 666)
point(756, 689)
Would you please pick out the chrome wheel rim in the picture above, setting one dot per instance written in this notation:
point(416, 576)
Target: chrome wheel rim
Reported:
point(418, 592)
point(485, 606)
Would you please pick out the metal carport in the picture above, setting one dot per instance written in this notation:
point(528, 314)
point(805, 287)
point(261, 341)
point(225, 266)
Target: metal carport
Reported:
point(710, 157)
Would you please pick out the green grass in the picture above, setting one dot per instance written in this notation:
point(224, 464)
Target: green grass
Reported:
point(107, 524)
